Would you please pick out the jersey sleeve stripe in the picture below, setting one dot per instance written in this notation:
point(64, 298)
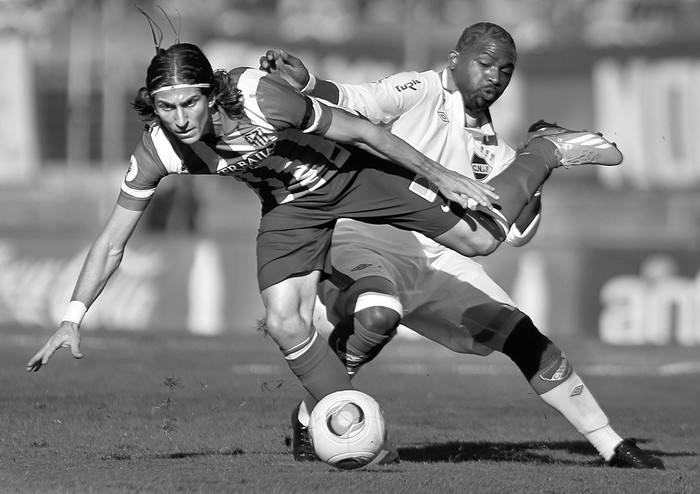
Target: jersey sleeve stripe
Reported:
point(307, 113)
point(317, 114)
point(137, 193)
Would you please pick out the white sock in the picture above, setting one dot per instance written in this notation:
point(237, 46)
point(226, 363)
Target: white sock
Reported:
point(305, 408)
point(605, 441)
point(573, 400)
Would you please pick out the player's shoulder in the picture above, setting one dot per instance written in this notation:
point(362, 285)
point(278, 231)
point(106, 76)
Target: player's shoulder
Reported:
point(406, 78)
point(248, 78)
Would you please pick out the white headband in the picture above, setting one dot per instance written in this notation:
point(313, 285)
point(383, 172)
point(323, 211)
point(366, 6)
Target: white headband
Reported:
point(204, 85)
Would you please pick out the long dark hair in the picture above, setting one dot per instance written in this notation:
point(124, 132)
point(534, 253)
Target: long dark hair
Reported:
point(185, 63)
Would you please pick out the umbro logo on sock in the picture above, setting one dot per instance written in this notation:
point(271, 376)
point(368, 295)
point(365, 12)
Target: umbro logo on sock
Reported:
point(577, 390)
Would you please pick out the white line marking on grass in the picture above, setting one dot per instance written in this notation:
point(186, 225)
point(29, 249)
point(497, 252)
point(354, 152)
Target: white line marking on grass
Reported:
point(680, 368)
point(399, 368)
point(259, 369)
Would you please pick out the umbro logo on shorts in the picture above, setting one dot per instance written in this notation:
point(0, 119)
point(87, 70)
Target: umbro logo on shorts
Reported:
point(360, 267)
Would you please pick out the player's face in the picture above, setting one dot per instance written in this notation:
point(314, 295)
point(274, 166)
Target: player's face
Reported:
point(482, 72)
point(185, 112)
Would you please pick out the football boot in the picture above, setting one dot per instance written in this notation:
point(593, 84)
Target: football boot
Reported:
point(576, 147)
point(302, 448)
point(628, 455)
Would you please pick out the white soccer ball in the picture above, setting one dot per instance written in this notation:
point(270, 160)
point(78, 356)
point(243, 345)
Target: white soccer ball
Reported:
point(347, 429)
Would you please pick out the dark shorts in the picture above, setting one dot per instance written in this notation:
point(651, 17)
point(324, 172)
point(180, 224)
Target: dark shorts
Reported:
point(295, 238)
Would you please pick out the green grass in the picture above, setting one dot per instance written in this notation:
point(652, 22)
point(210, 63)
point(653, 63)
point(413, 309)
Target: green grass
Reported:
point(169, 412)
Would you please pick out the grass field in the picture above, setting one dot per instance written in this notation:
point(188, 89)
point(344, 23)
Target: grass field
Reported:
point(164, 413)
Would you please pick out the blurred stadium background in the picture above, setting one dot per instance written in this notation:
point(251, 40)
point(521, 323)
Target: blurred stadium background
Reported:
point(616, 257)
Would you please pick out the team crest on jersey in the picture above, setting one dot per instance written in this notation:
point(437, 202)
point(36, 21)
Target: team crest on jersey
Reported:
point(480, 168)
point(257, 137)
point(133, 169)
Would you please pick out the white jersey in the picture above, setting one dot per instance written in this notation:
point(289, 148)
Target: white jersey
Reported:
point(419, 109)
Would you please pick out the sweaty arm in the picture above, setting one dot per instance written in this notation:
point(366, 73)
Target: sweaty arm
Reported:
point(106, 252)
point(349, 129)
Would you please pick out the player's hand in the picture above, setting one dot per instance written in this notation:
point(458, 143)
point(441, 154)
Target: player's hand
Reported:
point(467, 192)
point(67, 336)
point(287, 66)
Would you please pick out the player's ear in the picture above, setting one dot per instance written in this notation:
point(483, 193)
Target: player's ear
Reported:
point(453, 58)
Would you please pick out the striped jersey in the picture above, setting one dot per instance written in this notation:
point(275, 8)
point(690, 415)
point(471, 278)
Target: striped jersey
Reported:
point(277, 148)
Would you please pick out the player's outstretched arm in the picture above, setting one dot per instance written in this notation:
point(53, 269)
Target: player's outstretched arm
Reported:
point(466, 192)
point(101, 262)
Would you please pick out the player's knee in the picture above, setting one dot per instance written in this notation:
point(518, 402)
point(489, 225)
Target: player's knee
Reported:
point(479, 243)
point(533, 352)
point(379, 320)
point(491, 323)
point(484, 244)
point(286, 327)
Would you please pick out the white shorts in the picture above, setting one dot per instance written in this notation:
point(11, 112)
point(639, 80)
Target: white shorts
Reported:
point(434, 285)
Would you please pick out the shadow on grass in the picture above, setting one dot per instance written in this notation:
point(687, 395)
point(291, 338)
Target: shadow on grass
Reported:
point(537, 452)
point(190, 454)
point(123, 455)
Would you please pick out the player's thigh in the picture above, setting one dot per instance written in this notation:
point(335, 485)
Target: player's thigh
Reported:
point(388, 196)
point(466, 279)
point(291, 243)
point(454, 287)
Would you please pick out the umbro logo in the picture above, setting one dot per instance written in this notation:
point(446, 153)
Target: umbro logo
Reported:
point(360, 267)
point(577, 390)
point(443, 116)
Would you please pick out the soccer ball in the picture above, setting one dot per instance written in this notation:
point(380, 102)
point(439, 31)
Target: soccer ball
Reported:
point(347, 429)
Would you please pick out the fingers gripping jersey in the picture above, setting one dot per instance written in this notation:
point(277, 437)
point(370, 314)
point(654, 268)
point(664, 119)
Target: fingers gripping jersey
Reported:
point(277, 148)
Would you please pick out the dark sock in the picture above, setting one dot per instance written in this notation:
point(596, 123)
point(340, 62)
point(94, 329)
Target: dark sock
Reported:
point(541, 362)
point(517, 184)
point(356, 343)
point(318, 369)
